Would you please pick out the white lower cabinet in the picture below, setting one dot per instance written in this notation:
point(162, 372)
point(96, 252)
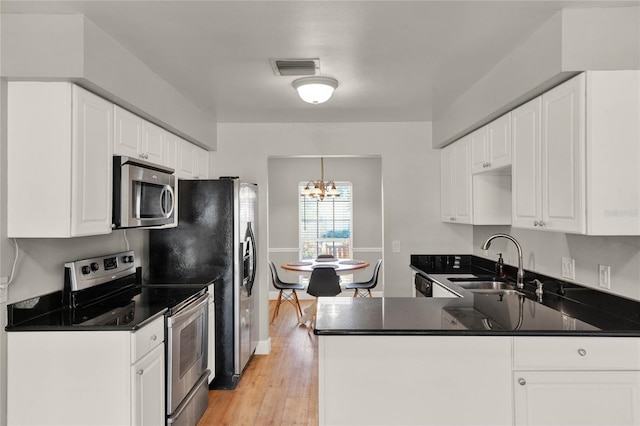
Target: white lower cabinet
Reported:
point(86, 377)
point(419, 380)
point(576, 381)
point(148, 388)
point(577, 398)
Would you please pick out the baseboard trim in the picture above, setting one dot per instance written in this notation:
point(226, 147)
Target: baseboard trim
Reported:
point(263, 347)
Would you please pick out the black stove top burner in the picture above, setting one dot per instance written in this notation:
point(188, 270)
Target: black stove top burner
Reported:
point(104, 292)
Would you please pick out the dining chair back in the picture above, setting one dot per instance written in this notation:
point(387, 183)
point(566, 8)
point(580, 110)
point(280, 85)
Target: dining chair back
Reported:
point(360, 287)
point(324, 282)
point(287, 292)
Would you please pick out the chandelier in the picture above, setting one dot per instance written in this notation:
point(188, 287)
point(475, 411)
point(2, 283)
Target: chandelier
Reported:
point(320, 189)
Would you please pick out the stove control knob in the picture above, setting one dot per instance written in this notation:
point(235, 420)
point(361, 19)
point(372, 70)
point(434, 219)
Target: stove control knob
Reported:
point(95, 266)
point(127, 259)
point(86, 270)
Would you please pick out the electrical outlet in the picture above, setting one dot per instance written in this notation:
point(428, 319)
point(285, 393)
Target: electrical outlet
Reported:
point(604, 274)
point(3, 293)
point(568, 268)
point(395, 246)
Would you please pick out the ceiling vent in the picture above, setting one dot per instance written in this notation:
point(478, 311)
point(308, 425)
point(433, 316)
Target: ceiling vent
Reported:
point(294, 67)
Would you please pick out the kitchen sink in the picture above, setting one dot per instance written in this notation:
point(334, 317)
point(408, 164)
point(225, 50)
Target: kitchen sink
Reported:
point(499, 292)
point(485, 285)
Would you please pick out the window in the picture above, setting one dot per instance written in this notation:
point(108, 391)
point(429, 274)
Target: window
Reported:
point(326, 226)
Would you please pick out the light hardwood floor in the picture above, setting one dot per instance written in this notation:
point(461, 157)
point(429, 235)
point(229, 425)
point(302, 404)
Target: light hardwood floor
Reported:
point(276, 389)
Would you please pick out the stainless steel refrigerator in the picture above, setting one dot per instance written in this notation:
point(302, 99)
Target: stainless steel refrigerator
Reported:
point(215, 240)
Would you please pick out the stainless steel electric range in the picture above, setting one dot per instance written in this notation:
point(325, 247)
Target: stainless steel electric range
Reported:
point(107, 293)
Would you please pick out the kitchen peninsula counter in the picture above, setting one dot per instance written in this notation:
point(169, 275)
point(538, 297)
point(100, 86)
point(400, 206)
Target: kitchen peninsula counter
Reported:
point(481, 358)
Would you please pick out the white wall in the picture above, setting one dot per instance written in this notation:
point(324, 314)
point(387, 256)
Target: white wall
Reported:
point(411, 185)
point(543, 252)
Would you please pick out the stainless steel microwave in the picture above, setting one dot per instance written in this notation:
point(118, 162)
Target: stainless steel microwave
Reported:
point(143, 194)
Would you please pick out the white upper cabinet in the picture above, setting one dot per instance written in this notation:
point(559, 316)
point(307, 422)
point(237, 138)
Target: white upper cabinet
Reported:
point(60, 140)
point(138, 138)
point(128, 134)
point(171, 143)
point(575, 153)
point(526, 173)
point(455, 180)
point(153, 143)
point(202, 163)
point(491, 145)
point(193, 161)
point(548, 174)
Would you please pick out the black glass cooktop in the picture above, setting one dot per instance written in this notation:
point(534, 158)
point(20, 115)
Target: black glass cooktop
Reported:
point(125, 309)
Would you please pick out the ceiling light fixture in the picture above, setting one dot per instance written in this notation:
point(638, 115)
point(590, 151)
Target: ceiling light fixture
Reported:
point(315, 90)
point(320, 189)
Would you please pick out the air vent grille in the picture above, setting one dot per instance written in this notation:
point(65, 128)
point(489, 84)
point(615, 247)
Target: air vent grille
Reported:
point(294, 67)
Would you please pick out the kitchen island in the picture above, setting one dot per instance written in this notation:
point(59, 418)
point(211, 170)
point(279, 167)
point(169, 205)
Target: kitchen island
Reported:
point(476, 359)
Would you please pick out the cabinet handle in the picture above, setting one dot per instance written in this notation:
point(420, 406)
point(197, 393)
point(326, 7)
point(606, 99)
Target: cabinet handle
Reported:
point(522, 381)
point(582, 352)
point(541, 224)
point(453, 219)
point(154, 337)
point(140, 372)
point(535, 223)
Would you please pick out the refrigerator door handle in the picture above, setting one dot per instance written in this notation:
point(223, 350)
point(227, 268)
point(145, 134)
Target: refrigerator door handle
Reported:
point(252, 241)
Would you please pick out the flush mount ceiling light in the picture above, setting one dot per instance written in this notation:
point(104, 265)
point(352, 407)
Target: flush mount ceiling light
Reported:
point(315, 90)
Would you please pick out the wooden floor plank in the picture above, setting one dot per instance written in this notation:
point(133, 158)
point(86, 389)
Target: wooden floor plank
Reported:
point(280, 388)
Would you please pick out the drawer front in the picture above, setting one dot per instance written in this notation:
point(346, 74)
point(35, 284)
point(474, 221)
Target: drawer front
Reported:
point(576, 353)
point(147, 338)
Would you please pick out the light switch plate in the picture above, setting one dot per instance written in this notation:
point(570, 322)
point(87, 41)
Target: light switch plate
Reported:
point(604, 274)
point(568, 268)
point(395, 246)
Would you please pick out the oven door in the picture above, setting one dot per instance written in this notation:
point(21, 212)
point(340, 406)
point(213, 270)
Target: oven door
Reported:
point(187, 332)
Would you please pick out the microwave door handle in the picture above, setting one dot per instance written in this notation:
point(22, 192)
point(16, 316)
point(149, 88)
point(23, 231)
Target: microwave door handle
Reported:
point(170, 198)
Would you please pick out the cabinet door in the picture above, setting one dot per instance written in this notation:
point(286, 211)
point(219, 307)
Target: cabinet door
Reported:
point(446, 184)
point(563, 157)
point(148, 391)
point(128, 133)
point(577, 398)
point(499, 142)
point(186, 160)
point(526, 209)
point(171, 143)
point(202, 163)
point(462, 181)
point(92, 166)
point(479, 148)
point(152, 143)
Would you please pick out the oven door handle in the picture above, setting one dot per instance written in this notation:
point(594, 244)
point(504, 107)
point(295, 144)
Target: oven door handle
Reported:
point(189, 313)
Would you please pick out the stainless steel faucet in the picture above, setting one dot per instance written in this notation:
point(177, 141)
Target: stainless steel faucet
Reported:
point(487, 243)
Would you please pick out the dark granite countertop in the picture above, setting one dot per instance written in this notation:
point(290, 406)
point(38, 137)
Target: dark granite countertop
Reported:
point(566, 309)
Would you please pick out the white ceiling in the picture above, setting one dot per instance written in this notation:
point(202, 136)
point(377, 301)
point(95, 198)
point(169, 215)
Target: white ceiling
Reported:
point(394, 60)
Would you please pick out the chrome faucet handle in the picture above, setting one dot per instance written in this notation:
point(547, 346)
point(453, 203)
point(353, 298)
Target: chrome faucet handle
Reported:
point(538, 289)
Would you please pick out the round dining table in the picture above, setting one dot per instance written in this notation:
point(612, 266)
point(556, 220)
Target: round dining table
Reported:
point(340, 265)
